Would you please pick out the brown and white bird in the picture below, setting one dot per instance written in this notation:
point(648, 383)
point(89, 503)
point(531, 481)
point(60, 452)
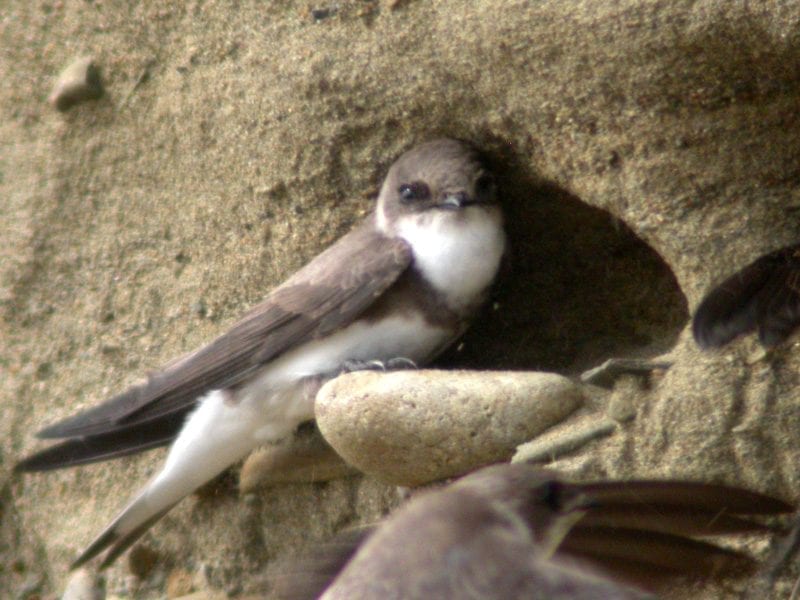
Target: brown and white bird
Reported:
point(764, 296)
point(401, 286)
point(519, 532)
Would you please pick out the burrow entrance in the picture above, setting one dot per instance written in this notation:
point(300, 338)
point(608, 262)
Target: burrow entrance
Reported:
point(581, 287)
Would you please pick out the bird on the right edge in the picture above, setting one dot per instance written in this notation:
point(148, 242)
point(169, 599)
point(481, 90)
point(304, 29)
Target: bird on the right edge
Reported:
point(516, 531)
point(764, 296)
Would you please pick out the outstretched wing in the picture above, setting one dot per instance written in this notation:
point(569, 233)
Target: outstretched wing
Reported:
point(643, 532)
point(490, 531)
point(328, 293)
point(765, 295)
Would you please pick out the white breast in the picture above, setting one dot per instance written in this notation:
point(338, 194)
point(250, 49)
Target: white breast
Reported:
point(280, 404)
point(458, 252)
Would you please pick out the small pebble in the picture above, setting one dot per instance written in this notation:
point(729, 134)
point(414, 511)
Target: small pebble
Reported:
point(319, 14)
point(79, 82)
point(141, 560)
point(622, 404)
point(305, 457)
point(396, 4)
point(82, 585)
point(179, 583)
point(413, 427)
point(199, 308)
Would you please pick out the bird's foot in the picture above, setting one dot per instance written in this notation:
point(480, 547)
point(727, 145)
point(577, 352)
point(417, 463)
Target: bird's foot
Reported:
point(393, 364)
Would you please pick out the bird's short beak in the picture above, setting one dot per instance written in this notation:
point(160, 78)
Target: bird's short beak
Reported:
point(573, 510)
point(456, 200)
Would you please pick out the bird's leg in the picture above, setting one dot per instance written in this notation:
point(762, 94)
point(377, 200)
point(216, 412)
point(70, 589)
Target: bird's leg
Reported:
point(393, 364)
point(400, 363)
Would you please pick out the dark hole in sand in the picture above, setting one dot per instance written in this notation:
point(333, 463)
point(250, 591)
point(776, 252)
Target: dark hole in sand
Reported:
point(581, 287)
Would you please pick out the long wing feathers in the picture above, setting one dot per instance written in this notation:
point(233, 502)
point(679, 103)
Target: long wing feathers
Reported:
point(329, 292)
point(639, 530)
point(116, 543)
point(764, 295)
point(652, 549)
point(705, 496)
point(89, 449)
point(781, 305)
point(177, 387)
point(675, 520)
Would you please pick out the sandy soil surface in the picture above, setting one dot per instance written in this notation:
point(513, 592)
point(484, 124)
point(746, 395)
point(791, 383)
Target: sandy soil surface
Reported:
point(644, 149)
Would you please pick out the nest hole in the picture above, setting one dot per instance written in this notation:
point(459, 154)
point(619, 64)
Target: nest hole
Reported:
point(580, 288)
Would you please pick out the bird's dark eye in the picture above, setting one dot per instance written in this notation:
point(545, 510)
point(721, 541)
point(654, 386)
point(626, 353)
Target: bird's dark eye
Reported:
point(484, 187)
point(551, 495)
point(414, 192)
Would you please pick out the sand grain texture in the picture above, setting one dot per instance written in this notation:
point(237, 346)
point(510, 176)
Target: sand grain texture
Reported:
point(235, 141)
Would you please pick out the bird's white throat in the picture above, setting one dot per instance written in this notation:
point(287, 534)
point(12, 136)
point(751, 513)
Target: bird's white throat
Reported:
point(458, 252)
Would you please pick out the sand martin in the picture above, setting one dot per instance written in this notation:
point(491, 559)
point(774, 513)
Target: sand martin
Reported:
point(517, 531)
point(402, 285)
point(763, 296)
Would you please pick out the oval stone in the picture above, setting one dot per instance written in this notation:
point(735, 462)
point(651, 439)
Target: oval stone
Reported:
point(412, 427)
